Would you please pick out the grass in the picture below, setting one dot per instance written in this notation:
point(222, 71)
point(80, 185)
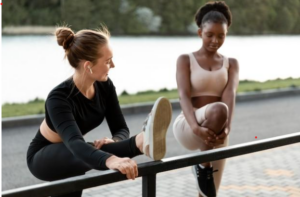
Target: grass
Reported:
point(36, 106)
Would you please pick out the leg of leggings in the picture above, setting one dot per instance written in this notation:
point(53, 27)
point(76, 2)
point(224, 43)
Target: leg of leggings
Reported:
point(220, 165)
point(124, 148)
point(55, 162)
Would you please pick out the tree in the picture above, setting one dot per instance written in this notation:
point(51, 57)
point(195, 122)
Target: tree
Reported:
point(77, 14)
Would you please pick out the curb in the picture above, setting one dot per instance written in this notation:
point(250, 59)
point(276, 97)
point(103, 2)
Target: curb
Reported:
point(146, 107)
point(267, 94)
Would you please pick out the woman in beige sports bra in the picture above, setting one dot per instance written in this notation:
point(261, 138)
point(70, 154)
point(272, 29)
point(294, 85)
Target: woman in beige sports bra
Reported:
point(207, 82)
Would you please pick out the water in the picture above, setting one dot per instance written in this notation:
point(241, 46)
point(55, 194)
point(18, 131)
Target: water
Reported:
point(33, 65)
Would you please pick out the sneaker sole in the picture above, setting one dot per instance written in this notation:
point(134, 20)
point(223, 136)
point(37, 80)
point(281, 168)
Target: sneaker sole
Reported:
point(161, 121)
point(195, 175)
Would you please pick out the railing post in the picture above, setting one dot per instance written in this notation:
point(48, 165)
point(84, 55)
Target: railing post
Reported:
point(149, 185)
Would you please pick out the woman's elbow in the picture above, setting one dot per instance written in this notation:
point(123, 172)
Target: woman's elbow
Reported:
point(228, 94)
point(184, 95)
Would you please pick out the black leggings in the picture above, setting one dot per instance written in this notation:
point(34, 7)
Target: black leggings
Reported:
point(50, 162)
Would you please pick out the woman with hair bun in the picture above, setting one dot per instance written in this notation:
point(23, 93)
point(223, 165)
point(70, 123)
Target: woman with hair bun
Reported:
point(78, 105)
point(207, 82)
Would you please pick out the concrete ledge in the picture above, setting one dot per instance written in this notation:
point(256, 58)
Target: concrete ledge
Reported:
point(22, 121)
point(146, 107)
point(28, 30)
point(267, 94)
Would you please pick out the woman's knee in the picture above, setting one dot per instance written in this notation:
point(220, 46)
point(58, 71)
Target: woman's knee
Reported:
point(218, 110)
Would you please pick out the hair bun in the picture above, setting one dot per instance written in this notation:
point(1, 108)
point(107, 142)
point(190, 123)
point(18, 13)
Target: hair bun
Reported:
point(219, 6)
point(65, 37)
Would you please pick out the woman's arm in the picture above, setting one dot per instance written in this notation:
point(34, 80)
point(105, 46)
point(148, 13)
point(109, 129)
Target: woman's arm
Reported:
point(184, 91)
point(229, 93)
point(114, 116)
point(61, 116)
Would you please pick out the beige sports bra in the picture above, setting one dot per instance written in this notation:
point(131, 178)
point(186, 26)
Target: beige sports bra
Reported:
point(207, 83)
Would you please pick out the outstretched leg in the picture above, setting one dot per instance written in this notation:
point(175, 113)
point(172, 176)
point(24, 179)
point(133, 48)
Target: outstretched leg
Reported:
point(152, 140)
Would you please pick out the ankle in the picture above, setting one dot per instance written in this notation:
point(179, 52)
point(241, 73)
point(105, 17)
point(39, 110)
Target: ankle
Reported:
point(206, 165)
point(139, 140)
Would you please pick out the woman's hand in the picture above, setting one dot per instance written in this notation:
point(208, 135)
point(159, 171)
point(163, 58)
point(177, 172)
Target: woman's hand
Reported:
point(222, 136)
point(99, 143)
point(207, 135)
point(124, 165)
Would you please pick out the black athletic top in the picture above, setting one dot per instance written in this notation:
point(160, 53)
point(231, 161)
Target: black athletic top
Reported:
point(71, 115)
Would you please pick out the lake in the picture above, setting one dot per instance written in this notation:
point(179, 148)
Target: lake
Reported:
point(33, 65)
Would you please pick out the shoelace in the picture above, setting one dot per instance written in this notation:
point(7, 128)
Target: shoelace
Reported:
point(210, 173)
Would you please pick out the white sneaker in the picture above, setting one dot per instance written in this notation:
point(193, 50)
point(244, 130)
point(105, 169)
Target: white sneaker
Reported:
point(155, 129)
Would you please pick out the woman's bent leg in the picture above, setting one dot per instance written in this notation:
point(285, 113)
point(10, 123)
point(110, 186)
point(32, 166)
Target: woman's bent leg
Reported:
point(124, 148)
point(216, 115)
point(212, 116)
point(52, 162)
point(55, 162)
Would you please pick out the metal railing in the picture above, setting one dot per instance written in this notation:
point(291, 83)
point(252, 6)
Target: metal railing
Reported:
point(149, 170)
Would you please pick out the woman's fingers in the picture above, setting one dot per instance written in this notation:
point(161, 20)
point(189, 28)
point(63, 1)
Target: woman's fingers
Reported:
point(132, 169)
point(211, 133)
point(135, 168)
point(210, 136)
point(96, 143)
point(222, 135)
point(126, 166)
point(129, 168)
point(219, 142)
point(136, 171)
point(132, 173)
point(209, 143)
point(211, 139)
point(208, 132)
point(99, 143)
point(107, 141)
point(126, 169)
point(122, 169)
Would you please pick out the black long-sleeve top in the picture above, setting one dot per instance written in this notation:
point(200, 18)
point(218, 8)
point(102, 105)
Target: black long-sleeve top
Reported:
point(71, 115)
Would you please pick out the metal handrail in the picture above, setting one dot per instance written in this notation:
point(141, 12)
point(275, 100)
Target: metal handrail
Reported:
point(149, 170)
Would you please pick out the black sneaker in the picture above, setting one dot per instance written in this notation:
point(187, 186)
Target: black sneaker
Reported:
point(205, 180)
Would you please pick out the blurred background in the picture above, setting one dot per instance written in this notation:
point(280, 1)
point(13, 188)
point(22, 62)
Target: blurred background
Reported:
point(147, 38)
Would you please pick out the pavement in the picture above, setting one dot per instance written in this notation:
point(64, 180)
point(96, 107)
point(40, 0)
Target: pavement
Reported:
point(273, 173)
point(269, 173)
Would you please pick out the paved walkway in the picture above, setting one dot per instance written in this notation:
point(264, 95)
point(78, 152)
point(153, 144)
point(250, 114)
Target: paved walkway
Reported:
point(270, 173)
point(263, 118)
